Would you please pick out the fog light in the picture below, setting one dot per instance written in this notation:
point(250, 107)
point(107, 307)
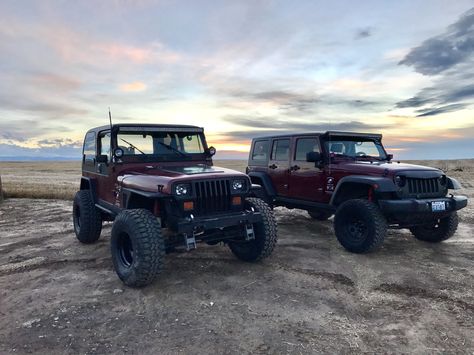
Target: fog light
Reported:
point(188, 205)
point(236, 200)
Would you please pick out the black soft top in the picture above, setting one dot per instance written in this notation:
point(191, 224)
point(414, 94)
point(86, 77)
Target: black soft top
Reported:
point(324, 134)
point(148, 127)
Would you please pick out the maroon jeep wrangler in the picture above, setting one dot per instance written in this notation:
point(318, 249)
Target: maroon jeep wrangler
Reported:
point(351, 175)
point(158, 185)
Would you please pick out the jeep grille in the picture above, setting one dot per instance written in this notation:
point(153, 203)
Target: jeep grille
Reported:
point(212, 196)
point(423, 187)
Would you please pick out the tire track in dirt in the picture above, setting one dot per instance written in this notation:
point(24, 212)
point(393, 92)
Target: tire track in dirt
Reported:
point(411, 291)
point(41, 262)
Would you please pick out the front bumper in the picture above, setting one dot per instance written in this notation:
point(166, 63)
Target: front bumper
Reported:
point(410, 206)
point(189, 225)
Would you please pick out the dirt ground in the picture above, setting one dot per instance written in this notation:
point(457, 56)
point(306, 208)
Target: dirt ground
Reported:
point(59, 296)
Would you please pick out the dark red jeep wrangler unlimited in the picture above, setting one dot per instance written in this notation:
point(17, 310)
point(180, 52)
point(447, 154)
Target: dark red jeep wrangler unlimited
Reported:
point(158, 185)
point(351, 175)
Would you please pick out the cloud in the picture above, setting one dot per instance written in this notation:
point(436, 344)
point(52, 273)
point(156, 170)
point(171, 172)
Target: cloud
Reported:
point(267, 126)
point(449, 58)
point(133, 87)
point(442, 52)
point(363, 33)
point(440, 110)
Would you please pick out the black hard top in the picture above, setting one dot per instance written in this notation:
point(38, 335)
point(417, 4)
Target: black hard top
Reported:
point(138, 126)
point(325, 134)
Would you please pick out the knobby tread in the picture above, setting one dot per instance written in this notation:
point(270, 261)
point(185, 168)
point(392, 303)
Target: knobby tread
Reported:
point(90, 218)
point(446, 228)
point(372, 214)
point(266, 234)
point(148, 246)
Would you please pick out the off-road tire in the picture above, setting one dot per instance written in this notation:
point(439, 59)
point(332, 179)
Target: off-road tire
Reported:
point(319, 215)
point(438, 231)
point(86, 218)
point(137, 246)
point(265, 234)
point(360, 226)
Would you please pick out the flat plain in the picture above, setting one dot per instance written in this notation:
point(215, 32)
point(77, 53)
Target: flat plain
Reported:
point(311, 296)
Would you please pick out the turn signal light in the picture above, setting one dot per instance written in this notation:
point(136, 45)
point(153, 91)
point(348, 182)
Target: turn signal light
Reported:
point(188, 205)
point(236, 200)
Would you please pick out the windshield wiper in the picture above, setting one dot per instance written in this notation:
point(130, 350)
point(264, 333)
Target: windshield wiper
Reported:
point(132, 146)
point(173, 149)
point(343, 156)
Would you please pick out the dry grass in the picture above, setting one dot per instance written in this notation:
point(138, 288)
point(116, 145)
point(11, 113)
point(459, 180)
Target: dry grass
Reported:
point(60, 179)
point(57, 179)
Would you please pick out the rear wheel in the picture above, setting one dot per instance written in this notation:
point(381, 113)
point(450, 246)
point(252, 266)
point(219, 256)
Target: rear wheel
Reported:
point(437, 231)
point(319, 215)
point(86, 218)
point(265, 234)
point(137, 247)
point(360, 226)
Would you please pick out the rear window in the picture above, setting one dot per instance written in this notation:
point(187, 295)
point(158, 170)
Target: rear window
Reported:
point(260, 151)
point(281, 149)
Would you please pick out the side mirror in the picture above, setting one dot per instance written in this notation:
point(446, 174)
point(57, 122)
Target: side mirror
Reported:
point(211, 151)
point(389, 157)
point(313, 157)
point(102, 158)
point(118, 152)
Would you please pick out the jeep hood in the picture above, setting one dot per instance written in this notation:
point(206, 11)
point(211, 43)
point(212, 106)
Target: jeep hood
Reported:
point(380, 168)
point(148, 178)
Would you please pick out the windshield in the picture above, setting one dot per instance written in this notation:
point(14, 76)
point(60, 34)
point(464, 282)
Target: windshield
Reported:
point(355, 148)
point(160, 144)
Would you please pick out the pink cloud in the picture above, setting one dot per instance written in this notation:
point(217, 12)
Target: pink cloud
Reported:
point(133, 87)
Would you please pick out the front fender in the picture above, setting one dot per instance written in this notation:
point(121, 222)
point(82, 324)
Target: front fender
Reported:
point(378, 184)
point(453, 184)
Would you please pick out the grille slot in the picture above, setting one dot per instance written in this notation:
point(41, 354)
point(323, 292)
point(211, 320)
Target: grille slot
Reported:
point(212, 196)
point(423, 186)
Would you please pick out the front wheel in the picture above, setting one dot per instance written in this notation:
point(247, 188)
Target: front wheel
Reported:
point(137, 246)
point(265, 234)
point(437, 231)
point(360, 226)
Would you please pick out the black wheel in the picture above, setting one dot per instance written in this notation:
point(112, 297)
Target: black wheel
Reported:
point(86, 218)
point(437, 231)
point(137, 246)
point(360, 226)
point(319, 215)
point(265, 234)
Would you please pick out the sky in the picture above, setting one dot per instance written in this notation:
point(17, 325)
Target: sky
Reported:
point(240, 69)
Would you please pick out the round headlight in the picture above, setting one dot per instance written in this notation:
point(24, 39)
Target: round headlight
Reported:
point(442, 180)
point(238, 185)
point(400, 180)
point(182, 189)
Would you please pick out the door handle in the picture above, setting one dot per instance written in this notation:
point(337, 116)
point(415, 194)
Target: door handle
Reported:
point(273, 166)
point(294, 168)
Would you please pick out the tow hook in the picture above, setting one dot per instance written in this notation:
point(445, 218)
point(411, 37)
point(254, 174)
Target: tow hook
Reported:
point(249, 232)
point(189, 242)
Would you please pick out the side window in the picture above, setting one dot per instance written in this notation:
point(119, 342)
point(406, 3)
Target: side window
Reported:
point(104, 139)
point(281, 149)
point(260, 150)
point(304, 146)
point(89, 145)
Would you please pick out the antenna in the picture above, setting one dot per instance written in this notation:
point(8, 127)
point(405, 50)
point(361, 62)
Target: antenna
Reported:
point(110, 119)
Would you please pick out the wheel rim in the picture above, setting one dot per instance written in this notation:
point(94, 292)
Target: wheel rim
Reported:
point(357, 230)
point(125, 247)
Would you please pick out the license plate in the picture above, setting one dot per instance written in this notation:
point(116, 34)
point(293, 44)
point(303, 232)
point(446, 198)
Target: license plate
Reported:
point(438, 206)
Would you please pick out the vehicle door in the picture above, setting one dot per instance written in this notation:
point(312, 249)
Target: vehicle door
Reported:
point(103, 168)
point(306, 180)
point(279, 163)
